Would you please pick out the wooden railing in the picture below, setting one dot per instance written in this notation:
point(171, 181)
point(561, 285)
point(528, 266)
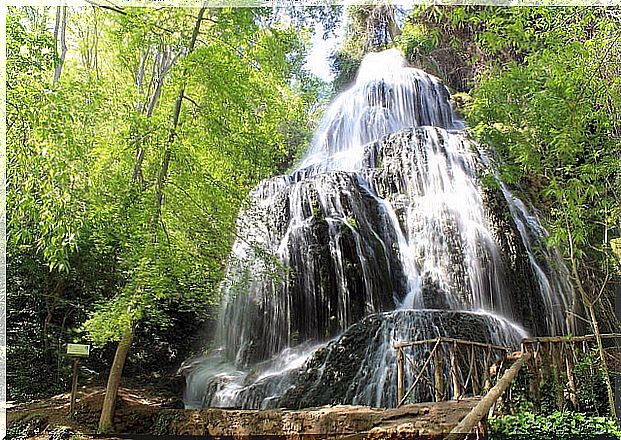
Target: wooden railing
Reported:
point(472, 364)
point(473, 357)
point(539, 354)
point(559, 355)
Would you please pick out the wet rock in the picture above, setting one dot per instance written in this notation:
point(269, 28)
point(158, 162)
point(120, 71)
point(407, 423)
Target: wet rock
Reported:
point(331, 237)
point(360, 365)
point(390, 209)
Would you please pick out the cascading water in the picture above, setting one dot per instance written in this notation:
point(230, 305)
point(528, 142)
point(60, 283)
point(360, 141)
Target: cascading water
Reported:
point(384, 233)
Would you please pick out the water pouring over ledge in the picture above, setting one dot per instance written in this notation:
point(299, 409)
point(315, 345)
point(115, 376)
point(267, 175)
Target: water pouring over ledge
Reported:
point(384, 232)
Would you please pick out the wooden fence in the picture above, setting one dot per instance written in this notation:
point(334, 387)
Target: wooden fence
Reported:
point(467, 371)
point(456, 367)
point(555, 358)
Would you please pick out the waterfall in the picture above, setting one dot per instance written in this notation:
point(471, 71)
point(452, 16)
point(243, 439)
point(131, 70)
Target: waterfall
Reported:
point(386, 231)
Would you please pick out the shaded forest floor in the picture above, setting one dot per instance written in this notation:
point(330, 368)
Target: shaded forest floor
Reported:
point(136, 410)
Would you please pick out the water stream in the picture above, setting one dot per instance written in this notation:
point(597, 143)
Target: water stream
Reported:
point(386, 231)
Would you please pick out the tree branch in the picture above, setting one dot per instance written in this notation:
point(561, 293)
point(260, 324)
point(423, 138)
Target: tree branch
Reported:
point(192, 101)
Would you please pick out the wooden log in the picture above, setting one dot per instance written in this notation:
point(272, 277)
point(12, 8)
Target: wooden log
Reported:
point(572, 339)
point(473, 418)
point(438, 375)
point(452, 340)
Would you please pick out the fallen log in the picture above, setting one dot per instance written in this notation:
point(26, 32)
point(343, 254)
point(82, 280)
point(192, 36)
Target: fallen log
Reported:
point(473, 418)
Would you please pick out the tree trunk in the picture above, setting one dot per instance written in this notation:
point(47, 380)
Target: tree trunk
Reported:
point(161, 178)
point(588, 304)
point(60, 31)
point(114, 379)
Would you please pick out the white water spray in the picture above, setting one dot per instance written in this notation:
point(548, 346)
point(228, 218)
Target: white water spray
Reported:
point(385, 213)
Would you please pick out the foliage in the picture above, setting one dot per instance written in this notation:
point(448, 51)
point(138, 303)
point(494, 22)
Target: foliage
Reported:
point(435, 39)
point(369, 28)
point(546, 97)
point(101, 234)
point(551, 111)
point(416, 40)
point(590, 385)
point(558, 425)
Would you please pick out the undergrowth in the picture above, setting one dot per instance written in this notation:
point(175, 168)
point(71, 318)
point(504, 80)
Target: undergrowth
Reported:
point(557, 425)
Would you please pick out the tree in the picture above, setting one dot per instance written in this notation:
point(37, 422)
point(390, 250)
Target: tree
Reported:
point(119, 213)
point(551, 112)
point(369, 28)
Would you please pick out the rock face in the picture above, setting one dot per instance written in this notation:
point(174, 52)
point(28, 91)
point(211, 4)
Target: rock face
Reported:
point(395, 227)
point(336, 267)
point(360, 366)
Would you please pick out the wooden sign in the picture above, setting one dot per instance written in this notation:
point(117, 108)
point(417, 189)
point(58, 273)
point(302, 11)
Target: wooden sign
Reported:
point(80, 350)
point(76, 351)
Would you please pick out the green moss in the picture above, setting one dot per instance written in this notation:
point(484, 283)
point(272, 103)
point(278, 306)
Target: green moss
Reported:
point(352, 222)
point(162, 424)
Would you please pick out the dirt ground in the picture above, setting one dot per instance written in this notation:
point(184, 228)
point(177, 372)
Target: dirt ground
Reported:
point(136, 410)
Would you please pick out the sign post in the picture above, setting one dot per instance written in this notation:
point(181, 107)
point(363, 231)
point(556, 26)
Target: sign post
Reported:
point(76, 351)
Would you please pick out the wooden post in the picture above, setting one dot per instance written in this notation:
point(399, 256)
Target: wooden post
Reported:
point(400, 376)
point(454, 372)
point(487, 380)
point(476, 382)
point(438, 375)
point(535, 383)
point(569, 364)
point(74, 386)
point(558, 367)
point(470, 370)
